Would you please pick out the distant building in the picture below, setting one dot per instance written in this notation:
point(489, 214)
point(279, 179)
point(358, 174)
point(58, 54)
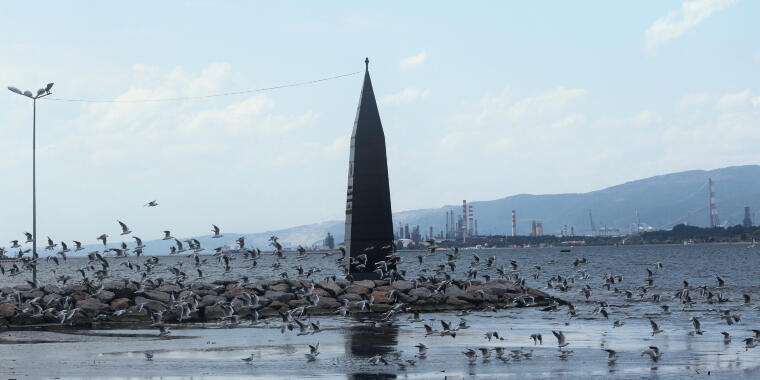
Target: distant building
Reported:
point(747, 219)
point(537, 228)
point(329, 241)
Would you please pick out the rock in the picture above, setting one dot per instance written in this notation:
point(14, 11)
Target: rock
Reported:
point(119, 303)
point(454, 301)
point(92, 306)
point(105, 296)
point(328, 303)
point(421, 293)
point(153, 304)
point(168, 288)
point(279, 296)
point(213, 313)
point(365, 283)
point(331, 287)
point(383, 288)
point(158, 296)
point(358, 289)
point(209, 300)
point(403, 285)
point(497, 288)
point(122, 292)
point(453, 291)
point(232, 293)
point(380, 297)
point(298, 303)
point(349, 296)
point(49, 297)
point(280, 287)
point(7, 310)
point(73, 288)
point(79, 295)
point(29, 294)
point(52, 289)
point(23, 319)
point(406, 298)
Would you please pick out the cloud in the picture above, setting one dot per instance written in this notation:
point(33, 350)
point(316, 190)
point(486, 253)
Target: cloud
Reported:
point(407, 95)
point(676, 23)
point(690, 101)
point(734, 100)
point(413, 61)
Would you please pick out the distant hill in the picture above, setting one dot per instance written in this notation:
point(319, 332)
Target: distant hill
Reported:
point(662, 201)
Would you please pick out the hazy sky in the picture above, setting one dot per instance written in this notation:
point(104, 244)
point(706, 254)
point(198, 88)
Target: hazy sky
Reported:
point(479, 100)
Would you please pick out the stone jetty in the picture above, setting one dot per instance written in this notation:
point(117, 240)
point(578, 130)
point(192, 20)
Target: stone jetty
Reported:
point(116, 304)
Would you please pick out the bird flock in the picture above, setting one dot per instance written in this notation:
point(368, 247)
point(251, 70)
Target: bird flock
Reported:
point(598, 297)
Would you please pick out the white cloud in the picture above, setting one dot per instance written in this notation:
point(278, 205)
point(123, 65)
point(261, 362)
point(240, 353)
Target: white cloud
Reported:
point(690, 101)
point(407, 95)
point(413, 61)
point(736, 99)
point(676, 23)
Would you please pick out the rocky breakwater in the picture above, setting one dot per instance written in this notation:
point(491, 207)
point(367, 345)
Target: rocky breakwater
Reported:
point(234, 301)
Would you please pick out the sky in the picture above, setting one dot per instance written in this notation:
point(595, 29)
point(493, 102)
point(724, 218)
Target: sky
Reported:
point(479, 100)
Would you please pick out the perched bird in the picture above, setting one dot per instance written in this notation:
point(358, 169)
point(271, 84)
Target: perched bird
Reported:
point(612, 355)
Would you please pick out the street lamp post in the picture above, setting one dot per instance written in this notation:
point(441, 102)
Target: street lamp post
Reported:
point(41, 93)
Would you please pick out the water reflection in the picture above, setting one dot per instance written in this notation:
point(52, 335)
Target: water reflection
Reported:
point(364, 341)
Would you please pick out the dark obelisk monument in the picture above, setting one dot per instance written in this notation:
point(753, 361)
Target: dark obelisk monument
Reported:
point(369, 224)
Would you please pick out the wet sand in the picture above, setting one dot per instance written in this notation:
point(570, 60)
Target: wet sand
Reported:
point(208, 352)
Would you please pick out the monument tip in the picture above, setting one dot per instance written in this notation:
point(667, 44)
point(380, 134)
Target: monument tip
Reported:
point(366, 63)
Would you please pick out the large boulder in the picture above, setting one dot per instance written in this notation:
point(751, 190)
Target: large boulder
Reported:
point(358, 289)
point(279, 287)
point(7, 310)
point(403, 285)
point(279, 296)
point(92, 306)
point(105, 296)
point(153, 304)
point(209, 300)
point(365, 283)
point(421, 293)
point(168, 288)
point(158, 296)
point(330, 286)
point(120, 303)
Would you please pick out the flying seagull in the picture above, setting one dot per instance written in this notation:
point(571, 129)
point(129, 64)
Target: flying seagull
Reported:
point(124, 229)
point(151, 204)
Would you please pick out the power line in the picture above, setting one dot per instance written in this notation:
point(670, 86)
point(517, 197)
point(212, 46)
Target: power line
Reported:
point(204, 96)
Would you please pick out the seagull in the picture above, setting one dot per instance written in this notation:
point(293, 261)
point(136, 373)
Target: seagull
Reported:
point(216, 232)
point(536, 338)
point(167, 235)
point(78, 246)
point(726, 337)
point(248, 359)
point(28, 237)
point(151, 204)
point(612, 355)
point(697, 326)
point(560, 339)
point(653, 352)
point(124, 229)
point(655, 329)
point(313, 352)
point(377, 359)
point(749, 343)
point(103, 238)
point(148, 356)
